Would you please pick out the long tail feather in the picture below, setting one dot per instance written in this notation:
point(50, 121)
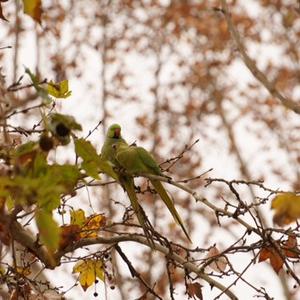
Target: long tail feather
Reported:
point(128, 184)
point(169, 203)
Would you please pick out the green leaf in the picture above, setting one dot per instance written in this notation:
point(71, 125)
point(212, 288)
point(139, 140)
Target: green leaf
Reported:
point(43, 188)
point(91, 169)
point(107, 168)
point(61, 127)
point(67, 120)
point(48, 229)
point(36, 84)
point(92, 162)
point(86, 150)
point(59, 179)
point(40, 164)
point(78, 217)
point(25, 148)
point(88, 153)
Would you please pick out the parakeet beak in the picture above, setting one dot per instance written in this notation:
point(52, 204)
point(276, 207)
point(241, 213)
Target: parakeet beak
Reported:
point(117, 133)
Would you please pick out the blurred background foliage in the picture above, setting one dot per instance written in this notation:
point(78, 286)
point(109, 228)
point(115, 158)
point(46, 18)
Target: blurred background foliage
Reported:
point(170, 73)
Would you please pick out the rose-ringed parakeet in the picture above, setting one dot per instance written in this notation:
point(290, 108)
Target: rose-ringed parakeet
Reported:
point(113, 137)
point(137, 160)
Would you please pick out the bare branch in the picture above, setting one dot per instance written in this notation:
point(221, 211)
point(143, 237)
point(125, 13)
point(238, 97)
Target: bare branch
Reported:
point(191, 267)
point(250, 63)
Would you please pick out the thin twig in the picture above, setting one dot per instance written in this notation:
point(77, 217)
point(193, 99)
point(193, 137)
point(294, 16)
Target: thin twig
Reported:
point(250, 63)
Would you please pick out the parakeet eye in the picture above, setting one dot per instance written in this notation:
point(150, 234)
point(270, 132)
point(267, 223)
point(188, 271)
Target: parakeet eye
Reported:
point(114, 146)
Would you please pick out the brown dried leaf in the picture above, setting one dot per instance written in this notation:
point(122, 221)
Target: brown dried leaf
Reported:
point(290, 247)
point(68, 235)
point(219, 264)
point(275, 258)
point(195, 290)
point(1, 13)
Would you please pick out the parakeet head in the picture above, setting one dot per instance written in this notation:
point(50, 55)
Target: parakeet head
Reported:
point(114, 131)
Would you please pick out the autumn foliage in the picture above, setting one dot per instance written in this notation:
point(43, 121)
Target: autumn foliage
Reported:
point(210, 88)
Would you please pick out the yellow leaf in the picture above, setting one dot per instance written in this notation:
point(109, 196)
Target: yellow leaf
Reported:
point(287, 208)
point(33, 8)
point(59, 89)
point(89, 226)
point(2, 271)
point(25, 271)
point(77, 217)
point(92, 226)
point(89, 270)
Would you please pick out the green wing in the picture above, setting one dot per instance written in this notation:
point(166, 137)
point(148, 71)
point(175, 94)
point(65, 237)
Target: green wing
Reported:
point(138, 160)
point(148, 161)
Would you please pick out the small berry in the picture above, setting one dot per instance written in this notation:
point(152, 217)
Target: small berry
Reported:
point(62, 130)
point(46, 143)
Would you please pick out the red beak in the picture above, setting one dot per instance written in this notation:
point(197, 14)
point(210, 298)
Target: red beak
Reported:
point(117, 133)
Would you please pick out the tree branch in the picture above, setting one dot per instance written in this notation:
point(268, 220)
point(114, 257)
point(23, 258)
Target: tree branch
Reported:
point(191, 267)
point(251, 65)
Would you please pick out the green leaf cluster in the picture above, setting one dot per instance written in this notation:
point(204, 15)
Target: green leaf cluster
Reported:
point(93, 163)
point(35, 182)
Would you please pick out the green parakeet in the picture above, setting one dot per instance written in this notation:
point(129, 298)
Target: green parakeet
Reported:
point(137, 160)
point(113, 137)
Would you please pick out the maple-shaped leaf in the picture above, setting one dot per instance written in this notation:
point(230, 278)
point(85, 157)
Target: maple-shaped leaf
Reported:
point(59, 89)
point(33, 8)
point(89, 226)
point(92, 162)
point(194, 290)
point(290, 247)
point(275, 258)
point(92, 225)
point(89, 270)
point(287, 208)
point(88, 153)
point(219, 264)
